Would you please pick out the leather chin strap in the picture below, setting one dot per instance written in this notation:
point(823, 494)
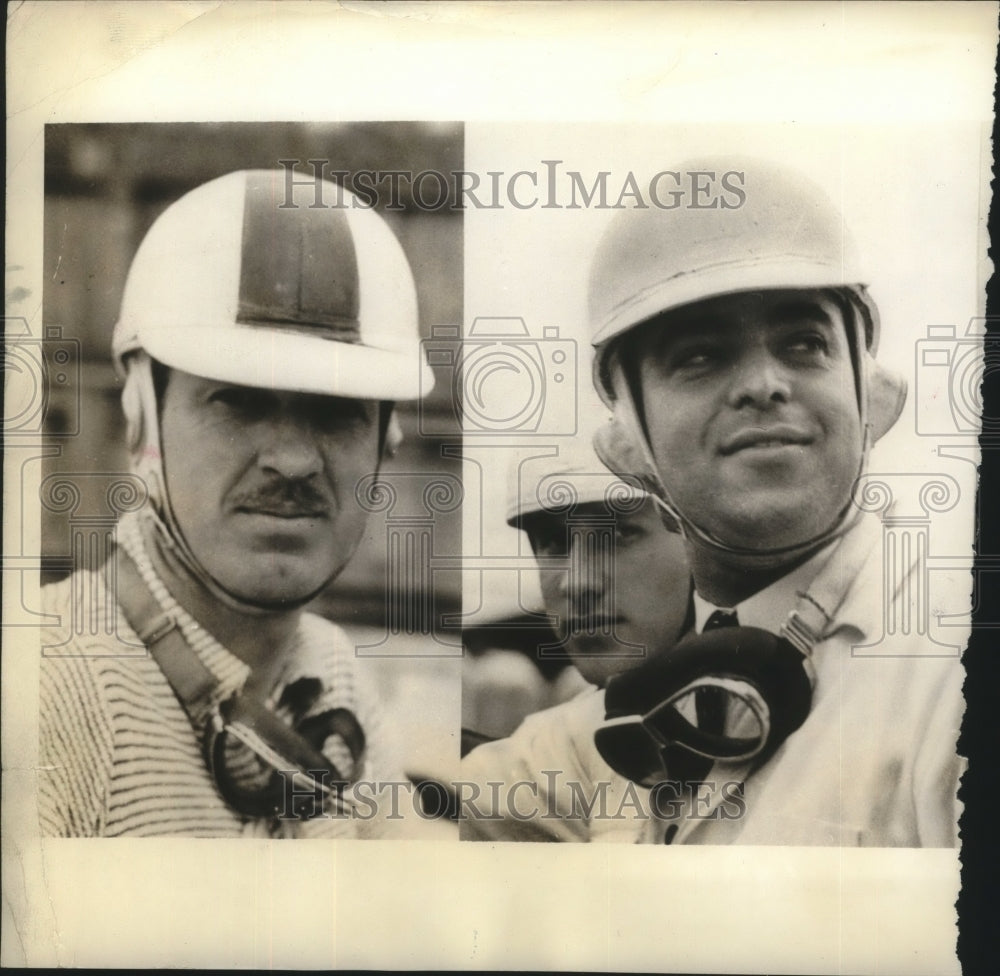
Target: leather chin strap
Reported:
point(623, 447)
point(294, 758)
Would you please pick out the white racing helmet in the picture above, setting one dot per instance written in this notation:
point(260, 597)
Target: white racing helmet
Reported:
point(555, 485)
point(245, 281)
point(242, 280)
point(783, 232)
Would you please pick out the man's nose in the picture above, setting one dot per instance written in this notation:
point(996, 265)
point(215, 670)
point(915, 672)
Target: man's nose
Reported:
point(589, 567)
point(758, 378)
point(288, 447)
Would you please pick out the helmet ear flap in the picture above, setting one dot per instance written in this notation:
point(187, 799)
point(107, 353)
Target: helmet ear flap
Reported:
point(886, 396)
point(616, 446)
point(392, 437)
point(621, 443)
point(133, 408)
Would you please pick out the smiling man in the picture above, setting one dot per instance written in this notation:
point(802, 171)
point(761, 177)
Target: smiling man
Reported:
point(736, 349)
point(779, 465)
point(262, 348)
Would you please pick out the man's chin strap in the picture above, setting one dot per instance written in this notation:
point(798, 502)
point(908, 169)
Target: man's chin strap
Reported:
point(175, 549)
point(142, 416)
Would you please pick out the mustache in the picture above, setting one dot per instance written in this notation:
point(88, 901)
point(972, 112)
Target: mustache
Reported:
point(288, 497)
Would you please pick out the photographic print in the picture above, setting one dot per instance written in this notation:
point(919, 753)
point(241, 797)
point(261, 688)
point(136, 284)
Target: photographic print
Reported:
point(129, 536)
point(762, 218)
point(488, 432)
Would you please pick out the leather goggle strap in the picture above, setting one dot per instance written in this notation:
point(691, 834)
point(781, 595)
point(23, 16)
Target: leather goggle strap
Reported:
point(316, 729)
point(194, 685)
point(302, 778)
point(285, 741)
point(190, 679)
point(817, 606)
point(670, 727)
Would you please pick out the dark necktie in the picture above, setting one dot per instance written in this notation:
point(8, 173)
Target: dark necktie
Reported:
point(710, 703)
point(710, 709)
point(710, 712)
point(721, 618)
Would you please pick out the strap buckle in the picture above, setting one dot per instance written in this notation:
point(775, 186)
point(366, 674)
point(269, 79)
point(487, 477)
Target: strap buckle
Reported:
point(157, 629)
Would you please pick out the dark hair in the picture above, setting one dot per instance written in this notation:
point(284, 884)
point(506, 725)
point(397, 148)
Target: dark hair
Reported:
point(847, 300)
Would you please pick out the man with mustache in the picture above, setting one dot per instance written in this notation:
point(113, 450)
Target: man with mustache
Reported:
point(616, 583)
point(262, 346)
point(736, 349)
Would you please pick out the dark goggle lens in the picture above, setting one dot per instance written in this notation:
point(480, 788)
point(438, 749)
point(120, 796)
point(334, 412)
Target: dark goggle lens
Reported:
point(718, 719)
point(732, 727)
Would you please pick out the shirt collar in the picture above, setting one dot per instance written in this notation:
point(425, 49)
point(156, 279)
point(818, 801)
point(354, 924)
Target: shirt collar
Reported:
point(769, 608)
point(305, 660)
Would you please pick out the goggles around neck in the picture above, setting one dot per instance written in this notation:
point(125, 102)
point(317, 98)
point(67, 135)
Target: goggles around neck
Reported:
point(261, 765)
point(761, 684)
point(298, 780)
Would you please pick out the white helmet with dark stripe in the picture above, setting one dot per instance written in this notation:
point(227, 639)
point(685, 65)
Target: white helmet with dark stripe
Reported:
point(239, 283)
point(243, 281)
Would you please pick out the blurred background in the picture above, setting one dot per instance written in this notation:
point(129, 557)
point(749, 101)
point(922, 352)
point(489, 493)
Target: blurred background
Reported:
point(105, 184)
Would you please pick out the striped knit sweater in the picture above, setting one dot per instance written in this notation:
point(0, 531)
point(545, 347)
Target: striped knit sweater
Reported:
point(119, 755)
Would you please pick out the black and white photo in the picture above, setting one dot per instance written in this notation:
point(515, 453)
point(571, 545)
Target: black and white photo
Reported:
point(495, 486)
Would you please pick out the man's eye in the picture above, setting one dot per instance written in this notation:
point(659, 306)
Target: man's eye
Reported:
point(699, 357)
point(249, 402)
point(627, 533)
point(808, 342)
point(549, 544)
point(337, 413)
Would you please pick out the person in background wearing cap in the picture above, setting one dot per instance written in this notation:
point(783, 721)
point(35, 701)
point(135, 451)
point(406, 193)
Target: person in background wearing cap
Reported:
point(736, 350)
point(617, 581)
point(262, 348)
